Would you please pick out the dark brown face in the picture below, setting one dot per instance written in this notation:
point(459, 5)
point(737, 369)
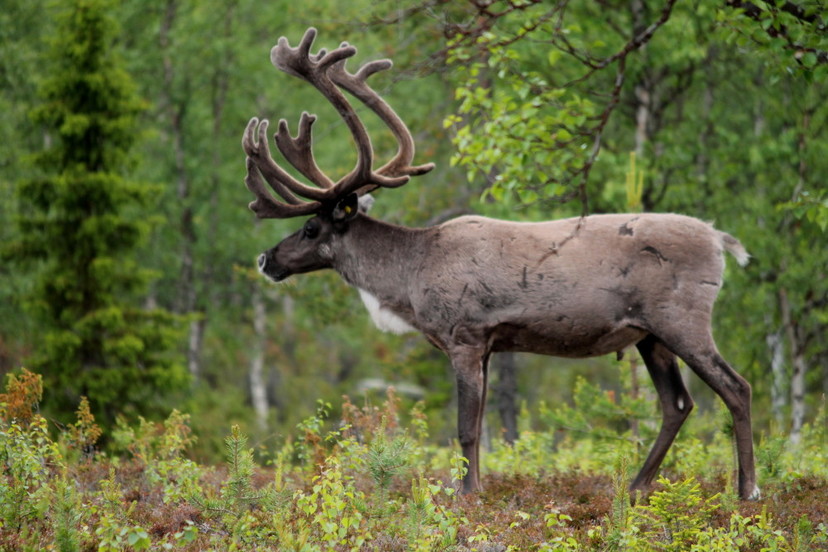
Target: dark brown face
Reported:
point(312, 247)
point(307, 250)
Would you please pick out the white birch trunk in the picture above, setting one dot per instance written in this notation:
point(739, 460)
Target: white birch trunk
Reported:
point(194, 348)
point(798, 396)
point(258, 386)
point(799, 369)
point(779, 387)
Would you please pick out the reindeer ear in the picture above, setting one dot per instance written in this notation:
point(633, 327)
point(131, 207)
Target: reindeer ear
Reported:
point(346, 209)
point(365, 203)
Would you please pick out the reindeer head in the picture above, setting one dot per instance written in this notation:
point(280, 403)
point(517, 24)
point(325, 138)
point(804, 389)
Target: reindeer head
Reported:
point(313, 246)
point(333, 204)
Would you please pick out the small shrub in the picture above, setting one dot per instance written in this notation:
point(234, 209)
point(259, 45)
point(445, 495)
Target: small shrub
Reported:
point(387, 458)
point(160, 448)
point(28, 456)
point(674, 516)
point(84, 433)
point(67, 512)
point(22, 396)
point(237, 491)
point(335, 508)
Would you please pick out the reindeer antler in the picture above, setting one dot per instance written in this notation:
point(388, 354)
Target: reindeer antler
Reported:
point(325, 71)
point(355, 84)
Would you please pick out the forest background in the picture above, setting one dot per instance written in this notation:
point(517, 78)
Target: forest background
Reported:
point(128, 277)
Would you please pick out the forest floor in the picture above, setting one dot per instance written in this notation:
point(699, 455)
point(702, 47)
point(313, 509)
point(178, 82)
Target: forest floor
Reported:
point(512, 513)
point(588, 501)
point(365, 483)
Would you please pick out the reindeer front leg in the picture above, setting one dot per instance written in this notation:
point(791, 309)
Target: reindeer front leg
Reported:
point(471, 369)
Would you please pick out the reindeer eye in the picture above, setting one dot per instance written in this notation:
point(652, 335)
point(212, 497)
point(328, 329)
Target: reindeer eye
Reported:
point(311, 229)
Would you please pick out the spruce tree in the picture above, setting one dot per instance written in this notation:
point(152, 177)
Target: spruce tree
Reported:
point(81, 222)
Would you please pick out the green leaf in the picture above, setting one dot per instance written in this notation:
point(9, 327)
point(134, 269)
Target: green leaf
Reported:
point(553, 56)
point(809, 59)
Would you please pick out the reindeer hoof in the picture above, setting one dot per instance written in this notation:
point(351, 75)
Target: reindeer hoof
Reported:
point(755, 494)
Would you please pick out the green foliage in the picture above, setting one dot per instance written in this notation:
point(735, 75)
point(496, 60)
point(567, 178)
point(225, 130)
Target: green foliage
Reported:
point(515, 118)
point(387, 459)
point(617, 521)
point(363, 496)
point(812, 208)
point(160, 450)
point(115, 531)
point(527, 135)
point(558, 539)
point(790, 34)
point(674, 516)
point(430, 526)
point(334, 508)
point(77, 234)
point(67, 515)
point(238, 490)
point(28, 456)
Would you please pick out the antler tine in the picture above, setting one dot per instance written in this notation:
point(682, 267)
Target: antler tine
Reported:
point(255, 146)
point(282, 182)
point(260, 163)
point(300, 63)
point(265, 206)
point(298, 150)
point(400, 164)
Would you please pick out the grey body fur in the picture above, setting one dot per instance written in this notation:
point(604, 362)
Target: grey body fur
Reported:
point(541, 287)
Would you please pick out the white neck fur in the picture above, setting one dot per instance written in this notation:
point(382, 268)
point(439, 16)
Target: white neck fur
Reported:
point(384, 319)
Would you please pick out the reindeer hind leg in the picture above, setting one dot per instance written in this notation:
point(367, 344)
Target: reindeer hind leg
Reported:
point(702, 356)
point(675, 400)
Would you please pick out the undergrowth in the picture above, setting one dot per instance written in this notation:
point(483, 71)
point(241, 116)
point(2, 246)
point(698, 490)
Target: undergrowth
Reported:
point(366, 483)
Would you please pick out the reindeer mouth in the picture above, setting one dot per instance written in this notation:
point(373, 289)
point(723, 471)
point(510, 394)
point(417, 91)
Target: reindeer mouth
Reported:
point(274, 274)
point(278, 278)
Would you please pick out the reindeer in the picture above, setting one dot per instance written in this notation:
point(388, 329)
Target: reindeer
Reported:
point(576, 288)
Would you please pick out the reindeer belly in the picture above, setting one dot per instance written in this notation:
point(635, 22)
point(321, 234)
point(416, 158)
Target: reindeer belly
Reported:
point(565, 337)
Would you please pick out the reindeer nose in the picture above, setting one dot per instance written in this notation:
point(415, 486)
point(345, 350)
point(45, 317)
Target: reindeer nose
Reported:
point(262, 261)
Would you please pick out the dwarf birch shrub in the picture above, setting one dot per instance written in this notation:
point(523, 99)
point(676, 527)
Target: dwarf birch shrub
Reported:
point(160, 448)
point(28, 456)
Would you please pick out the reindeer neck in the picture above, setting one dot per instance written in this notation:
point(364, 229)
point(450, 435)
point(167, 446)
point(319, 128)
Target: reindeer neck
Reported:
point(379, 257)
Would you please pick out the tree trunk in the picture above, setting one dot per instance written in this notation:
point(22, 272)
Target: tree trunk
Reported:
point(794, 330)
point(643, 88)
point(194, 347)
point(635, 393)
point(799, 367)
point(175, 111)
point(776, 348)
point(258, 382)
point(505, 394)
point(642, 118)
